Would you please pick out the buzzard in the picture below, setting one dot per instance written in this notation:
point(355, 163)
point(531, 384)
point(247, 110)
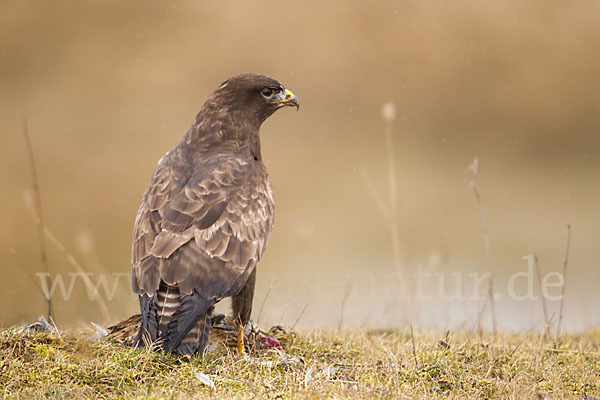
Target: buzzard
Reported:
point(206, 218)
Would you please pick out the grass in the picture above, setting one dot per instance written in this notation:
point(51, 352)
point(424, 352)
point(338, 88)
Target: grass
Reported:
point(350, 364)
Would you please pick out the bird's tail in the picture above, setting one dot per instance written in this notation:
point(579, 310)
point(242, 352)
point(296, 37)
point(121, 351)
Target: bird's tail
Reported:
point(189, 326)
point(148, 332)
point(168, 300)
point(195, 341)
point(175, 321)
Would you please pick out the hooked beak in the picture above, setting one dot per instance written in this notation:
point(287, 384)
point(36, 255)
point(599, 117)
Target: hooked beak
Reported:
point(287, 98)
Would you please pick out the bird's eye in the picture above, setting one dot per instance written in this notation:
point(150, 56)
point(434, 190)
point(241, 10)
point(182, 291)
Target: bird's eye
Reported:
point(267, 92)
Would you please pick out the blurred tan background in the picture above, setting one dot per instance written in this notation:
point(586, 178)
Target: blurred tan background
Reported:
point(110, 86)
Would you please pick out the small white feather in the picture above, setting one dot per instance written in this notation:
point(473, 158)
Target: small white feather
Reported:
point(100, 331)
point(308, 376)
point(205, 380)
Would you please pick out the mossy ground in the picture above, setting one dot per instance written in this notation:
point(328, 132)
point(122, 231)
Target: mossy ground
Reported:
point(348, 364)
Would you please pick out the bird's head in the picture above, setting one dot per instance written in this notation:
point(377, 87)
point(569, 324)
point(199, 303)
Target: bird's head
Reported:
point(254, 96)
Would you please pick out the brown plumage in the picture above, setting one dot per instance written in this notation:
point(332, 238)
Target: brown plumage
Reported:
point(223, 333)
point(206, 217)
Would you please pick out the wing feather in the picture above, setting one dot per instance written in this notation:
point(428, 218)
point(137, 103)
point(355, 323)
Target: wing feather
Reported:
point(226, 208)
point(165, 243)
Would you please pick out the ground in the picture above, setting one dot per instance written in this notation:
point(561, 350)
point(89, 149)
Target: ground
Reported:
point(316, 364)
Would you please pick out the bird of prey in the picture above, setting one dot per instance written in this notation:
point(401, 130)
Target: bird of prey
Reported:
point(206, 218)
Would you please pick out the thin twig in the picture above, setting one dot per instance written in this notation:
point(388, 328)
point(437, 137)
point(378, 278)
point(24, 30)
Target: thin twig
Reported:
point(299, 316)
point(346, 295)
point(72, 261)
point(262, 305)
point(38, 210)
point(564, 288)
point(389, 211)
point(383, 208)
point(392, 184)
point(6, 362)
point(29, 273)
point(492, 298)
point(391, 159)
point(474, 169)
point(539, 279)
point(479, 315)
point(412, 338)
point(55, 327)
point(540, 356)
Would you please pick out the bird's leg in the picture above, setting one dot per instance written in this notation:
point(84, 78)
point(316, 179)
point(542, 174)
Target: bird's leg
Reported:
point(240, 339)
point(241, 308)
point(241, 303)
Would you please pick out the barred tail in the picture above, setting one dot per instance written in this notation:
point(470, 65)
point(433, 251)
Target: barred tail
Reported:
point(176, 321)
point(189, 326)
point(168, 300)
point(196, 339)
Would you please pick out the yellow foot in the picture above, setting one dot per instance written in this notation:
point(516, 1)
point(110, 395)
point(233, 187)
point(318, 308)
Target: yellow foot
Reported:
point(240, 339)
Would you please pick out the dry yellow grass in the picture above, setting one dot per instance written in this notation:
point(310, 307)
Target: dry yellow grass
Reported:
point(350, 364)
